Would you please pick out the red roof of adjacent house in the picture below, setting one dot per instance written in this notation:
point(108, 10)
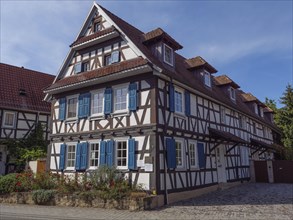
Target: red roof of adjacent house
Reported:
point(22, 88)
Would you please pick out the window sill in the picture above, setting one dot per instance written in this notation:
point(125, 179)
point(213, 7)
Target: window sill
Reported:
point(95, 117)
point(180, 115)
point(70, 120)
point(120, 113)
point(8, 127)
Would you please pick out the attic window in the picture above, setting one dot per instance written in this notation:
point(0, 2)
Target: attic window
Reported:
point(114, 57)
point(232, 93)
point(168, 55)
point(22, 92)
point(97, 27)
point(207, 78)
point(261, 112)
point(255, 108)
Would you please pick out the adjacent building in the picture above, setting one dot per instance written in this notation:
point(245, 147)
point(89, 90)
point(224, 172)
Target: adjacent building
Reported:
point(126, 98)
point(21, 107)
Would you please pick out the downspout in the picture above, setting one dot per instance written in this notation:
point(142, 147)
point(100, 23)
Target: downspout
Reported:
point(166, 200)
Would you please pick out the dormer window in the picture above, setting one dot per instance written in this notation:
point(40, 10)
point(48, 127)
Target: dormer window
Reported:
point(232, 93)
point(207, 78)
point(168, 55)
point(255, 108)
point(261, 112)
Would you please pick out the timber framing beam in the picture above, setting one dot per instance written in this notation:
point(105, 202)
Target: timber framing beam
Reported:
point(231, 148)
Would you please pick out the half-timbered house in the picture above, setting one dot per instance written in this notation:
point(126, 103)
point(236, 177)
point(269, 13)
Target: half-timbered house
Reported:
point(125, 98)
point(21, 107)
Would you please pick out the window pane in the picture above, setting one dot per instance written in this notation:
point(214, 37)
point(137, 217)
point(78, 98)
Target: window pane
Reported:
point(9, 119)
point(97, 106)
point(178, 101)
point(71, 156)
point(121, 159)
point(94, 155)
point(120, 99)
point(71, 111)
point(179, 161)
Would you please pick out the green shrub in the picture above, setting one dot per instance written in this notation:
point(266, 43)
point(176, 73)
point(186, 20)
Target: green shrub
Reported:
point(8, 183)
point(46, 180)
point(24, 181)
point(43, 197)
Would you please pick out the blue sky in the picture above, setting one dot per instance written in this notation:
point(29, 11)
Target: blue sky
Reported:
point(250, 41)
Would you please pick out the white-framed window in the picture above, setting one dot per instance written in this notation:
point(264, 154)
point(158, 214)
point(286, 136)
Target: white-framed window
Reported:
point(244, 155)
point(120, 98)
point(8, 119)
point(207, 78)
point(179, 105)
point(168, 55)
point(94, 155)
point(71, 111)
point(193, 155)
point(107, 59)
point(97, 27)
point(254, 127)
point(223, 115)
point(121, 154)
point(179, 153)
point(70, 156)
point(97, 102)
point(232, 93)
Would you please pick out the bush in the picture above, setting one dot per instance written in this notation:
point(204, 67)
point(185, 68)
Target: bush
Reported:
point(24, 181)
point(43, 197)
point(46, 180)
point(8, 183)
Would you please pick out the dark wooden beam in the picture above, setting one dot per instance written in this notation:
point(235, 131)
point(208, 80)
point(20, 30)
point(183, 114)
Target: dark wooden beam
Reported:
point(232, 148)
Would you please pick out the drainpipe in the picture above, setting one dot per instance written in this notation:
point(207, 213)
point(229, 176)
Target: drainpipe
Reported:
point(166, 200)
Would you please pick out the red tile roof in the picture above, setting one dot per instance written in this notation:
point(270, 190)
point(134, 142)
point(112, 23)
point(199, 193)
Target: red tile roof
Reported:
point(197, 62)
point(29, 82)
point(225, 80)
point(160, 34)
point(93, 36)
point(97, 73)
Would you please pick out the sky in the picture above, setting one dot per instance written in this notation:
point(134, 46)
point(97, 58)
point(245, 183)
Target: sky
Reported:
point(250, 41)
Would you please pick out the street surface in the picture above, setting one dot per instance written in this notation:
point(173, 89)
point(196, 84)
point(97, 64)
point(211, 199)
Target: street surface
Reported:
point(247, 201)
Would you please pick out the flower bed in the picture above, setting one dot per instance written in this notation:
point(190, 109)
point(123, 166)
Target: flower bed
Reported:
point(104, 188)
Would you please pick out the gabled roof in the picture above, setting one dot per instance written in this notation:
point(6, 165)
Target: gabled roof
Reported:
point(159, 34)
point(197, 62)
point(248, 97)
point(225, 80)
point(22, 88)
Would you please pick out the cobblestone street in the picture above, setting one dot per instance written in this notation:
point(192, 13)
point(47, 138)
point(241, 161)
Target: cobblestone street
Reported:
point(247, 201)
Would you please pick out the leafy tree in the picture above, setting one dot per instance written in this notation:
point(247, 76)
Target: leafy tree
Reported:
point(284, 119)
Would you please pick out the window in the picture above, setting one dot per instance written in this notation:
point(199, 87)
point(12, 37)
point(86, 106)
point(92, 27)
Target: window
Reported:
point(114, 57)
point(207, 78)
point(120, 98)
point(261, 112)
point(178, 102)
point(254, 127)
point(8, 120)
point(168, 55)
point(1, 155)
point(232, 93)
point(107, 60)
point(77, 67)
point(97, 27)
point(97, 103)
point(121, 152)
point(70, 163)
point(72, 107)
point(244, 155)
point(85, 66)
point(255, 108)
point(223, 115)
point(240, 120)
point(94, 155)
point(179, 154)
point(193, 155)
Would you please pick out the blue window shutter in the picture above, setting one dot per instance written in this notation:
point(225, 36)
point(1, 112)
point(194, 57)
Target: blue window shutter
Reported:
point(103, 146)
point(62, 108)
point(84, 156)
point(201, 155)
point(77, 67)
point(132, 97)
point(108, 101)
point(62, 157)
point(171, 153)
point(115, 57)
point(84, 101)
point(110, 153)
point(187, 103)
point(171, 97)
point(131, 154)
point(80, 107)
point(78, 156)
